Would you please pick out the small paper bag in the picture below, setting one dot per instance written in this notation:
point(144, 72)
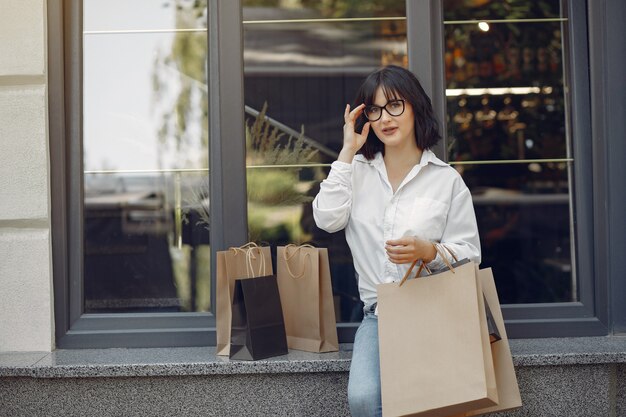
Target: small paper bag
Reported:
point(304, 282)
point(257, 326)
point(232, 264)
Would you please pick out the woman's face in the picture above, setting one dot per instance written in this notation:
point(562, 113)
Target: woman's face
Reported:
point(394, 131)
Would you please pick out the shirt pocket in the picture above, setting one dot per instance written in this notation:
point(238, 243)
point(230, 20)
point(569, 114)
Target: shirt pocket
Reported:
point(428, 218)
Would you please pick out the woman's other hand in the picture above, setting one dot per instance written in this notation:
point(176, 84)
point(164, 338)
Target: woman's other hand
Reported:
point(409, 248)
point(352, 141)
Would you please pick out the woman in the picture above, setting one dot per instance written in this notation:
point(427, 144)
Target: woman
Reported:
point(395, 199)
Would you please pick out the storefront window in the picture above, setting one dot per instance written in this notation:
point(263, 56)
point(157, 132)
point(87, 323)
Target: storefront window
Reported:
point(303, 61)
point(145, 157)
point(130, 149)
point(506, 121)
point(508, 135)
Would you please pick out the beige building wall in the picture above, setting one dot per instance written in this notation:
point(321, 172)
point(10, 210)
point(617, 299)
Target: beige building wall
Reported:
point(26, 307)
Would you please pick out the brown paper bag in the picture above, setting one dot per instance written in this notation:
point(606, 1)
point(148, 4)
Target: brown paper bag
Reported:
point(246, 261)
point(435, 356)
point(506, 381)
point(303, 274)
point(508, 391)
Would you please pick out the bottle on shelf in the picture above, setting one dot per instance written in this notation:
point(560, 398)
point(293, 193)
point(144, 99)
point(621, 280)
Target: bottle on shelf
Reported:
point(486, 116)
point(510, 125)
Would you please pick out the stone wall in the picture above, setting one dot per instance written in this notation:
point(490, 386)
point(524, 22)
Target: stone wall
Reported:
point(26, 310)
point(547, 391)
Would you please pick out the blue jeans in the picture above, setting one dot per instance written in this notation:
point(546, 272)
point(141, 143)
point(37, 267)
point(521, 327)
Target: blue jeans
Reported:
point(364, 381)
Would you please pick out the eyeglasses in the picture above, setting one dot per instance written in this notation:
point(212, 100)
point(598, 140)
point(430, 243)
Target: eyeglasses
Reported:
point(393, 107)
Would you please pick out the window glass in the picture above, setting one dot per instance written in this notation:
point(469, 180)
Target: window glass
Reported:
point(500, 10)
point(303, 61)
point(508, 135)
point(145, 156)
point(143, 15)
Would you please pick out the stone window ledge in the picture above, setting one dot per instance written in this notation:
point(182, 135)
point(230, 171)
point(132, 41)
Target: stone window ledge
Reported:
point(84, 363)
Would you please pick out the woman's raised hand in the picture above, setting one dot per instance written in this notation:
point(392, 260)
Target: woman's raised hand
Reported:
point(352, 141)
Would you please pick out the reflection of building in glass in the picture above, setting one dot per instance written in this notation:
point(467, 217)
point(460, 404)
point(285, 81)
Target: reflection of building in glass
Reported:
point(307, 71)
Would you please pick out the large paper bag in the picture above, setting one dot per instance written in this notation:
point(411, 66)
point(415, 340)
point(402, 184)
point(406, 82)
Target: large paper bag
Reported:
point(243, 262)
point(304, 282)
point(435, 356)
point(506, 381)
point(257, 326)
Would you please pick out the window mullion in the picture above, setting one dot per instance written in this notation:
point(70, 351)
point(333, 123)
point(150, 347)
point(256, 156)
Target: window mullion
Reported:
point(425, 50)
point(229, 223)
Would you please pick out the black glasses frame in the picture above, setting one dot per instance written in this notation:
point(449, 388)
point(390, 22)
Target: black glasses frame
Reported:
point(371, 106)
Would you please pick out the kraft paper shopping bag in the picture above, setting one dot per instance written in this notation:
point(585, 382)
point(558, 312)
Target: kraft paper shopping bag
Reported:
point(506, 381)
point(435, 355)
point(243, 262)
point(304, 282)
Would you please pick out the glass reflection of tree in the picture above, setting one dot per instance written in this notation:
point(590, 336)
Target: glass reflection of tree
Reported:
point(500, 9)
point(275, 195)
point(179, 81)
point(181, 101)
point(337, 8)
point(180, 90)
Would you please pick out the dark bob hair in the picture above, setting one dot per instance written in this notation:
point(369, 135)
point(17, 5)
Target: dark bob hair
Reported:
point(397, 82)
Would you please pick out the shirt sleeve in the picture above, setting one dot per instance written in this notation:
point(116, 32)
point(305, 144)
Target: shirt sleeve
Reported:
point(331, 206)
point(460, 235)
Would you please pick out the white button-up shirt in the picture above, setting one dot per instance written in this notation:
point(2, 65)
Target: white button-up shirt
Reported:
point(432, 203)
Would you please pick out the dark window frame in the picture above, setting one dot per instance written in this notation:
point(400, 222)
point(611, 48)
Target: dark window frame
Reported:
point(607, 58)
point(589, 96)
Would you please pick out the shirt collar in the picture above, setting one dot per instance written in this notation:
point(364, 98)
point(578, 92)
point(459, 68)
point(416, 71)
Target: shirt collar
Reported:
point(429, 157)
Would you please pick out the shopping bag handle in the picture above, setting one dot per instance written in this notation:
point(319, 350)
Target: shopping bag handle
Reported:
point(408, 272)
point(287, 257)
point(248, 251)
point(449, 251)
point(250, 256)
point(443, 257)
